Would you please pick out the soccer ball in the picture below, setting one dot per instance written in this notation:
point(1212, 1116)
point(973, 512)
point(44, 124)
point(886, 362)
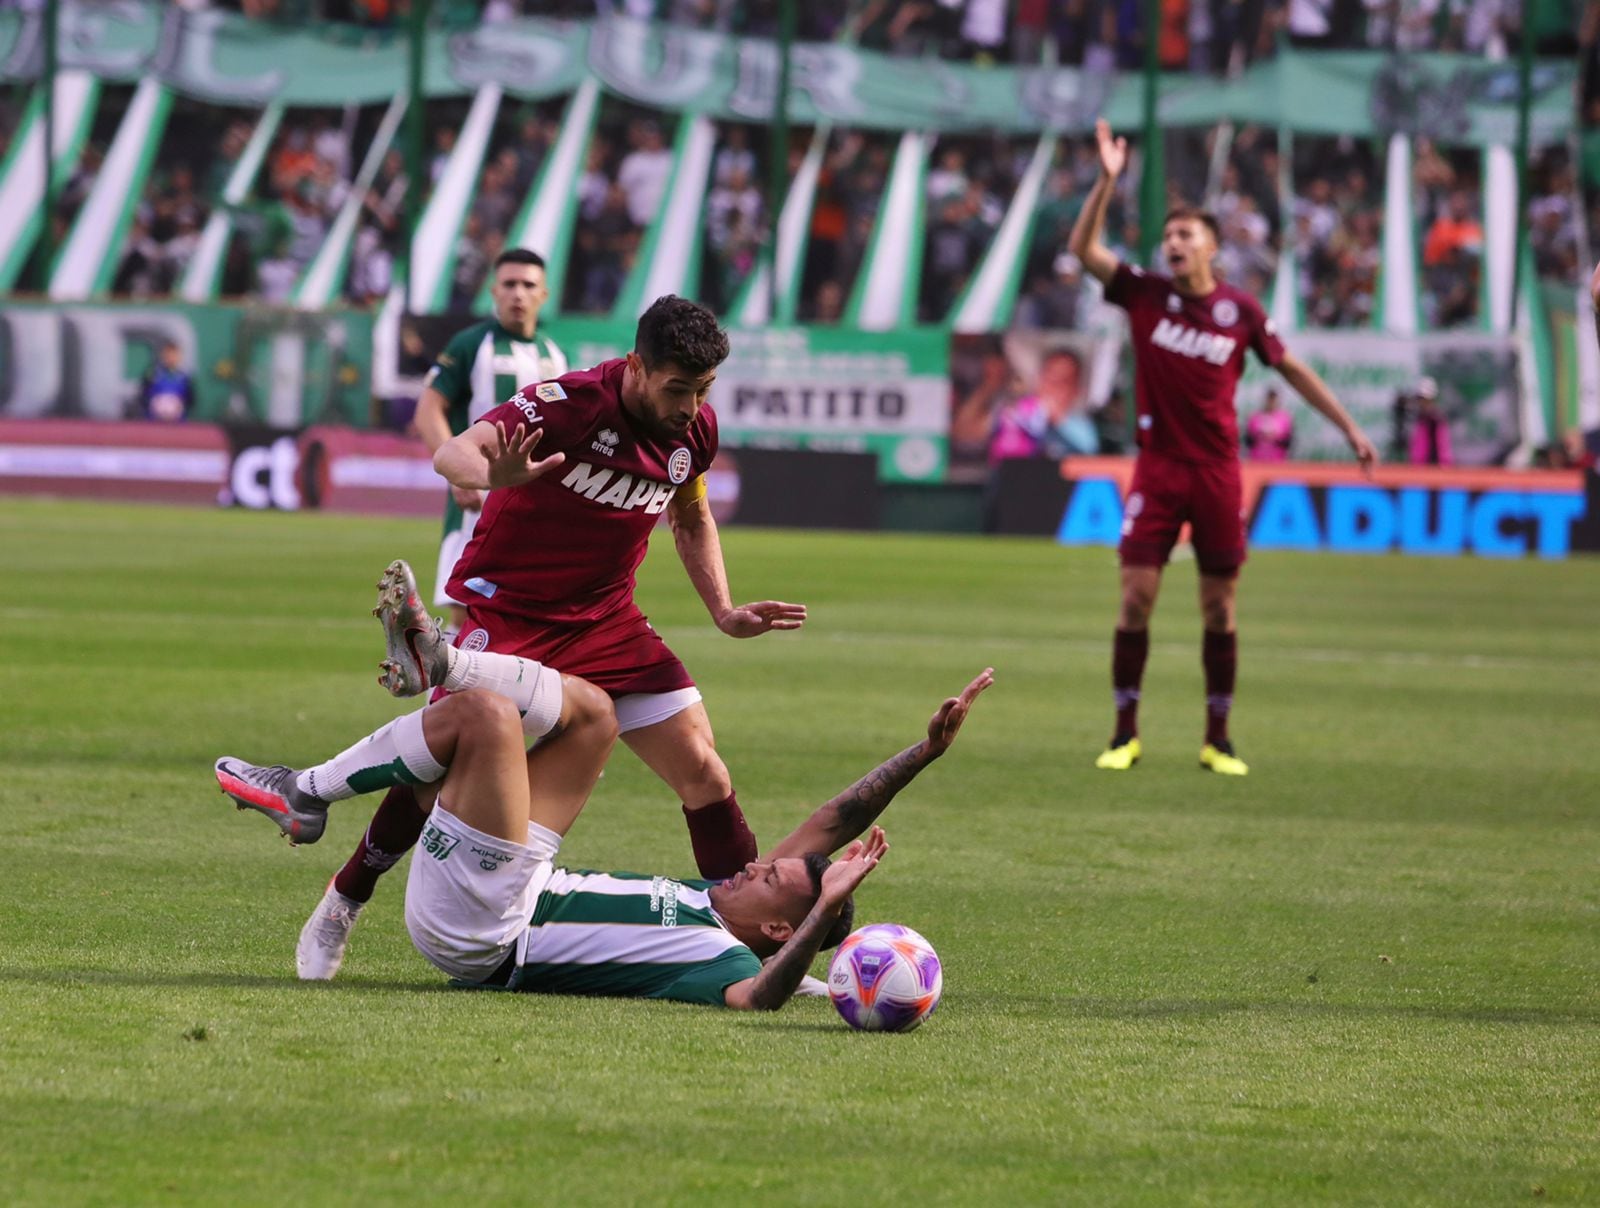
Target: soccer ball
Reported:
point(885, 978)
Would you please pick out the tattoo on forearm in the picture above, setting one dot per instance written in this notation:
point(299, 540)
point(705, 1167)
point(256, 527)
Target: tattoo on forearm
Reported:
point(776, 982)
point(858, 806)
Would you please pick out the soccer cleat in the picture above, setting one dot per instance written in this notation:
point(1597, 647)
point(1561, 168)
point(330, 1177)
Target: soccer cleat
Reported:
point(417, 659)
point(1121, 755)
point(325, 936)
point(273, 792)
point(1219, 757)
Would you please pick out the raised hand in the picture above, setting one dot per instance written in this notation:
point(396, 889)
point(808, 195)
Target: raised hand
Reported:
point(1113, 151)
point(752, 620)
point(851, 867)
point(946, 723)
point(510, 460)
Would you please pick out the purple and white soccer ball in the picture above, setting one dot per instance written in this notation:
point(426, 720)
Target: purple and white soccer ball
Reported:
point(885, 978)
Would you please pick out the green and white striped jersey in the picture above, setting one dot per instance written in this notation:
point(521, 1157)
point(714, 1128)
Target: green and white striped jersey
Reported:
point(484, 365)
point(629, 935)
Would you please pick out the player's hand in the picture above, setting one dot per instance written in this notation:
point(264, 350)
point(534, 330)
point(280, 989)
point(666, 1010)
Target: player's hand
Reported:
point(752, 620)
point(1366, 453)
point(1113, 151)
point(946, 723)
point(850, 867)
point(467, 499)
point(511, 461)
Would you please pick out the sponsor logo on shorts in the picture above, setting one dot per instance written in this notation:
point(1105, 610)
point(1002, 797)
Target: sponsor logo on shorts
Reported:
point(549, 392)
point(436, 843)
point(478, 639)
point(678, 466)
point(1134, 506)
point(491, 860)
point(1225, 313)
point(664, 900)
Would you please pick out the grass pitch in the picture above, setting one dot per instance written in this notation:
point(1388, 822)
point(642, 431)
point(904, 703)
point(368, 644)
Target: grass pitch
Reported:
point(1366, 974)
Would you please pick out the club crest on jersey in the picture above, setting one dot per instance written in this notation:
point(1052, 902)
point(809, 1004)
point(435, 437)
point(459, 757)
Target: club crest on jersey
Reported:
point(678, 466)
point(1225, 313)
point(606, 442)
point(549, 392)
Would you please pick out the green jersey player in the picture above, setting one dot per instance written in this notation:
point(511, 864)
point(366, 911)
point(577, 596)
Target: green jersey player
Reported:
point(485, 900)
point(481, 367)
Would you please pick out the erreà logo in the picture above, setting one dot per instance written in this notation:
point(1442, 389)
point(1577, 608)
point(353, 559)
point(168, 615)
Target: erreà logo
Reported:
point(621, 491)
point(606, 443)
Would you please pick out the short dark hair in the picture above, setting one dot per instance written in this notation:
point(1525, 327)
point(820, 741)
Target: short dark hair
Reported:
point(679, 332)
point(816, 865)
point(518, 255)
point(1199, 215)
point(1062, 350)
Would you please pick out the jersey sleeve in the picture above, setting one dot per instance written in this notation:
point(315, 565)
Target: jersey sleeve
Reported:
point(707, 982)
point(451, 374)
point(1125, 286)
point(1264, 339)
point(547, 407)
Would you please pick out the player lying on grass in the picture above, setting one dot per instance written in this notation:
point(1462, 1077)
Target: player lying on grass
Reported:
point(485, 901)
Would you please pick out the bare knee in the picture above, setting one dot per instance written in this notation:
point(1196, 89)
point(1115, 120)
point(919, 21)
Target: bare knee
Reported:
point(1217, 605)
point(587, 710)
point(1138, 602)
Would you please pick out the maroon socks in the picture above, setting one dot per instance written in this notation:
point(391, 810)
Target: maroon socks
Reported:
point(1128, 652)
point(721, 838)
point(1220, 654)
point(393, 832)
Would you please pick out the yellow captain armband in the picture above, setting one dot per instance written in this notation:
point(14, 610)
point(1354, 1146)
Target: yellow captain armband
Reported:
point(690, 492)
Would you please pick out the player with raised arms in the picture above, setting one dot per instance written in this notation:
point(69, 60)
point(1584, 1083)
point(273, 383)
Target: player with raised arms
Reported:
point(485, 902)
point(479, 369)
point(577, 473)
point(1190, 333)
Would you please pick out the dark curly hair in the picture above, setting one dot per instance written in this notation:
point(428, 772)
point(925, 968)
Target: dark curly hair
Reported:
point(816, 865)
point(676, 331)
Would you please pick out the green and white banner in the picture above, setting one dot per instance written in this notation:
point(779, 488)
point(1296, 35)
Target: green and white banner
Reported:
point(86, 361)
point(1478, 377)
point(818, 388)
point(226, 59)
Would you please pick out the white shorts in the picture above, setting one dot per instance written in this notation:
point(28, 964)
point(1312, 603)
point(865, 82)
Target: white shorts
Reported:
point(469, 897)
point(647, 708)
point(451, 547)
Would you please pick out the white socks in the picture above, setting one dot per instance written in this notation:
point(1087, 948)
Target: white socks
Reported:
point(394, 754)
point(534, 688)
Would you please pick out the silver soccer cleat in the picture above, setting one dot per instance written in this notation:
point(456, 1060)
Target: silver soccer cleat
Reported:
point(325, 936)
point(417, 658)
point(273, 792)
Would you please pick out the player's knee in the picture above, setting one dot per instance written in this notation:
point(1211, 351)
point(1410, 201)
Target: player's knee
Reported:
point(705, 777)
point(478, 711)
point(586, 709)
point(1137, 604)
point(1218, 615)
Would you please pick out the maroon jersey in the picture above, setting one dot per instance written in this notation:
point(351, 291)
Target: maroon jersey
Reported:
point(565, 547)
point(1188, 354)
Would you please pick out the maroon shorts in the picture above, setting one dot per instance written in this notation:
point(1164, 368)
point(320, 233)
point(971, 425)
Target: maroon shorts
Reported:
point(1166, 494)
point(619, 654)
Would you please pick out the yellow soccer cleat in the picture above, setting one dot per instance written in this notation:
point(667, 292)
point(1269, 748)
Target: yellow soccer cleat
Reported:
point(1119, 756)
point(1221, 759)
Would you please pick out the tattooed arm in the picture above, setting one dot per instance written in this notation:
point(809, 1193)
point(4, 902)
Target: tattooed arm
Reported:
point(849, 814)
point(775, 984)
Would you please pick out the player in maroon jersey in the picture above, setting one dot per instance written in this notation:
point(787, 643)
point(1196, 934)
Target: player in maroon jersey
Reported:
point(1189, 332)
point(579, 470)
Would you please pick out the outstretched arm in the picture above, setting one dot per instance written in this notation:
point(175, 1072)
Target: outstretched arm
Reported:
point(833, 825)
point(775, 984)
point(694, 533)
point(1309, 385)
point(486, 457)
point(1085, 242)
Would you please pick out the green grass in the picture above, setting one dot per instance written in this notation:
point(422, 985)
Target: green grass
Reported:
point(1369, 973)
